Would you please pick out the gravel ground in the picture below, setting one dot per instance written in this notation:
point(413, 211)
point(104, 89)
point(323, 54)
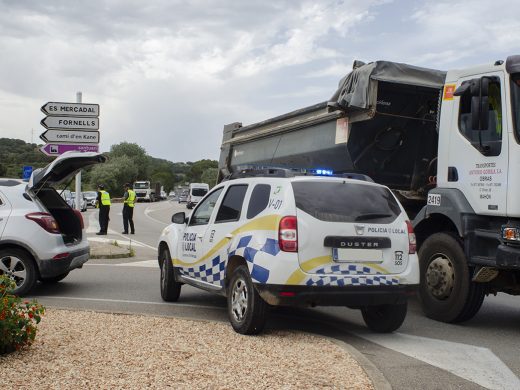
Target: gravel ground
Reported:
point(78, 349)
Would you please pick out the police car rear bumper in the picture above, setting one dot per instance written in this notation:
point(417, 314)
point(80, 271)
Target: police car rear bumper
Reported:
point(353, 296)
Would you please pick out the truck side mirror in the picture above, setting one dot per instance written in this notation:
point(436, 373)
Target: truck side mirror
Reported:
point(479, 113)
point(179, 218)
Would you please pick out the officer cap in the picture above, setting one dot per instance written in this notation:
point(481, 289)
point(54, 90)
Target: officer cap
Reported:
point(101, 186)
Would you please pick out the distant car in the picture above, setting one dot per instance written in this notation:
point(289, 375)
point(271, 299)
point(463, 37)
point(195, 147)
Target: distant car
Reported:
point(183, 197)
point(171, 195)
point(90, 197)
point(83, 201)
point(41, 237)
point(163, 195)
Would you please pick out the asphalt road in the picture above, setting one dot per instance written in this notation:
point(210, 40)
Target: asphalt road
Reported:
point(423, 354)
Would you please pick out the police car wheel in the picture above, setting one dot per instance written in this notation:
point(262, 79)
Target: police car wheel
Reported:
point(246, 309)
point(384, 318)
point(170, 288)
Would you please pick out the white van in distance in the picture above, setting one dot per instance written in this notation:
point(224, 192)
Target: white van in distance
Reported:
point(196, 192)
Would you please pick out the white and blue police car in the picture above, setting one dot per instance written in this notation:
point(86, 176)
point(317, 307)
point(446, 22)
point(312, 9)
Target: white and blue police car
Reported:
point(271, 238)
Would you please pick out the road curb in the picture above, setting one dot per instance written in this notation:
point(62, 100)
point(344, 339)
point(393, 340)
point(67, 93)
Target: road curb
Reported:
point(376, 376)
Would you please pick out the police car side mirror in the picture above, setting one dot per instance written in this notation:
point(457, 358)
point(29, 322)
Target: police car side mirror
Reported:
point(179, 218)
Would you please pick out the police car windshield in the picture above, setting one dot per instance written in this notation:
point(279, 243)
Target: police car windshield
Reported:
point(515, 101)
point(346, 202)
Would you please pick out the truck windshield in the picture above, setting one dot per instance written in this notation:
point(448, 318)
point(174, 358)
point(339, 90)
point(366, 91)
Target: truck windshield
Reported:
point(515, 102)
point(199, 191)
point(141, 185)
point(346, 202)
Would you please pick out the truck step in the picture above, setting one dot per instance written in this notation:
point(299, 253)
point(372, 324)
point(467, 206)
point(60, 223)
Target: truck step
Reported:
point(485, 274)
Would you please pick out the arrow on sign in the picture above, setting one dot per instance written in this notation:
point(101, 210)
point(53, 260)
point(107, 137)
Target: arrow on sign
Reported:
point(71, 136)
point(70, 109)
point(57, 149)
point(69, 122)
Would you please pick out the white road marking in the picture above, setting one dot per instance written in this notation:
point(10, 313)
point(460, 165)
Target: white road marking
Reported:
point(144, 263)
point(128, 301)
point(475, 364)
point(149, 209)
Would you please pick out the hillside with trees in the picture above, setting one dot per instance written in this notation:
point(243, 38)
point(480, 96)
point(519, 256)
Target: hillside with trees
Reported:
point(127, 162)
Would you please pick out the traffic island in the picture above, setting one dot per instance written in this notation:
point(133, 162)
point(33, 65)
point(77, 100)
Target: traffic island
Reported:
point(113, 249)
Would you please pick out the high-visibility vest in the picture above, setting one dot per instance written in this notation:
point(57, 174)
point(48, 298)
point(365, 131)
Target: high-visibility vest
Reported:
point(130, 201)
point(105, 198)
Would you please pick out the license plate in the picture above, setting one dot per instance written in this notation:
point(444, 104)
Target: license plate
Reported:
point(357, 255)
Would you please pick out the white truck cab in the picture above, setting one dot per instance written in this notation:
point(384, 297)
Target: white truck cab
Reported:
point(265, 238)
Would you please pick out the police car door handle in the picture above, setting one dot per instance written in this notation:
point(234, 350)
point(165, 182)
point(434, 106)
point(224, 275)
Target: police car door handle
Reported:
point(229, 235)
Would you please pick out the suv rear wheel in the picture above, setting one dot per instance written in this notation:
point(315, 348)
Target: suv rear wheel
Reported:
point(384, 318)
point(246, 309)
point(18, 266)
point(170, 288)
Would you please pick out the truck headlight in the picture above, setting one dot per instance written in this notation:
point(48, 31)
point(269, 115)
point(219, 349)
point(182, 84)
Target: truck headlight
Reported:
point(511, 233)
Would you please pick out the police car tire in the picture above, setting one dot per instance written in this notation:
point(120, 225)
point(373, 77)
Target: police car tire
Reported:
point(466, 297)
point(256, 312)
point(384, 318)
point(55, 279)
point(170, 288)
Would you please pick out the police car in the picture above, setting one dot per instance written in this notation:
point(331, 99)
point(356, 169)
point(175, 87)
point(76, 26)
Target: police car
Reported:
point(274, 238)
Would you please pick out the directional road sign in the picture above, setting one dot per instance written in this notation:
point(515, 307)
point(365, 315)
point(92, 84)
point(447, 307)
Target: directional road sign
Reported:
point(69, 122)
point(70, 109)
point(70, 136)
point(57, 149)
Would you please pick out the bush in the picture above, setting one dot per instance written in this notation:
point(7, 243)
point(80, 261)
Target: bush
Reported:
point(17, 319)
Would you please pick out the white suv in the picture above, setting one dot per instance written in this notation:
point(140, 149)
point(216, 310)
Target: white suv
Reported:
point(41, 237)
point(297, 240)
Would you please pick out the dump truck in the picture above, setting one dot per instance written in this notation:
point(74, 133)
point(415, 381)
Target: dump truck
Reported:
point(446, 143)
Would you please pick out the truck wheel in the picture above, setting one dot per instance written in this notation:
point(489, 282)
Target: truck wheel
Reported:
point(446, 292)
point(18, 265)
point(246, 309)
point(170, 288)
point(384, 318)
point(55, 279)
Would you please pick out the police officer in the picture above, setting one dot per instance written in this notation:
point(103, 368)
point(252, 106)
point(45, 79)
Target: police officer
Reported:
point(103, 203)
point(128, 209)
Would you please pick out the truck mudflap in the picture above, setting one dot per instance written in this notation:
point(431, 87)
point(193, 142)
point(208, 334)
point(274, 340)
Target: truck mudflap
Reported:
point(353, 297)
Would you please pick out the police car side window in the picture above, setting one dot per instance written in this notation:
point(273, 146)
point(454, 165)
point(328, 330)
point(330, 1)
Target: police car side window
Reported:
point(259, 200)
point(203, 212)
point(231, 206)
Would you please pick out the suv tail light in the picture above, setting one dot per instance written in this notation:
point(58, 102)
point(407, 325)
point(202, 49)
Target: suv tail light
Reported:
point(80, 217)
point(46, 221)
point(288, 234)
point(412, 242)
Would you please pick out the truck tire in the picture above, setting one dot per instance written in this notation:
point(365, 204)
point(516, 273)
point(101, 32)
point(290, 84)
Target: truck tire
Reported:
point(19, 266)
point(384, 318)
point(170, 288)
point(447, 293)
point(246, 309)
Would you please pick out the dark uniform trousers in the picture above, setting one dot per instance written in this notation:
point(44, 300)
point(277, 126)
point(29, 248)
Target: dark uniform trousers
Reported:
point(128, 218)
point(103, 218)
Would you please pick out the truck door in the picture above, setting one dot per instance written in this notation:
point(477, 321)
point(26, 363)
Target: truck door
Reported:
point(478, 159)
point(192, 241)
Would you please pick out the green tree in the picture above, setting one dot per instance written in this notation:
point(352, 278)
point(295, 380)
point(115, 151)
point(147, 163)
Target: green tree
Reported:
point(137, 154)
point(114, 174)
point(198, 168)
point(210, 176)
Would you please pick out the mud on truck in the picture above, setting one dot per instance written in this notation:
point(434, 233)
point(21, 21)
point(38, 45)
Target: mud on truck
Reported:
point(446, 143)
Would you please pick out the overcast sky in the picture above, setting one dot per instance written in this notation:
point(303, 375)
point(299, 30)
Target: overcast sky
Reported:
point(169, 74)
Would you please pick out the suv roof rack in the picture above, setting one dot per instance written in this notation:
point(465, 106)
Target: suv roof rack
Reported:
point(286, 172)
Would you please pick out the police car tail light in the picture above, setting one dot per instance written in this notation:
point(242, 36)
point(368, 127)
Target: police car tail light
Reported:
point(288, 234)
point(412, 242)
point(46, 221)
point(80, 217)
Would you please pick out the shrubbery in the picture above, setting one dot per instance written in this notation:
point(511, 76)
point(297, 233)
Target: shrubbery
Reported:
point(17, 319)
